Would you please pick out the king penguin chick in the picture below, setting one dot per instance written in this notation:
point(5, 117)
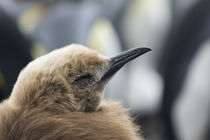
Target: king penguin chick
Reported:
point(59, 97)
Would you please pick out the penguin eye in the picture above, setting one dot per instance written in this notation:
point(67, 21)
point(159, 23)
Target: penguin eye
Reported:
point(83, 81)
point(87, 76)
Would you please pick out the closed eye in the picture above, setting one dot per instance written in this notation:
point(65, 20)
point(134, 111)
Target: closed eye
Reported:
point(87, 76)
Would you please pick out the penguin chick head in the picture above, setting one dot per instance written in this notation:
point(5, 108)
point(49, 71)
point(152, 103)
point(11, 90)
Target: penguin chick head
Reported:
point(68, 79)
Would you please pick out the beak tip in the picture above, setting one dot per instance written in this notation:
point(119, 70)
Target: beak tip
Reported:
point(142, 50)
point(149, 49)
point(145, 49)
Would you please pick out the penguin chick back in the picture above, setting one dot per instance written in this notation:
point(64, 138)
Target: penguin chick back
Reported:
point(101, 125)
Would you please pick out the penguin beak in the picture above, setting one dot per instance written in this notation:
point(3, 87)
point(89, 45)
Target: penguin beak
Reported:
point(120, 60)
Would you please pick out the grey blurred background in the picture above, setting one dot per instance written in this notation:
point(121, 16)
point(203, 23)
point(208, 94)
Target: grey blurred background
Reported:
point(167, 90)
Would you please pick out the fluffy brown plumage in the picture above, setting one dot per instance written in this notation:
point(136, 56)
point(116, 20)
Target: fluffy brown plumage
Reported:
point(58, 96)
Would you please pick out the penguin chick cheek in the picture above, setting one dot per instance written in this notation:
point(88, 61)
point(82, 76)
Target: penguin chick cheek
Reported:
point(89, 96)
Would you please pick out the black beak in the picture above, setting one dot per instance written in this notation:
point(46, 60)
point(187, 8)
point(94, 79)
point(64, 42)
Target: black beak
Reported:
point(120, 60)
